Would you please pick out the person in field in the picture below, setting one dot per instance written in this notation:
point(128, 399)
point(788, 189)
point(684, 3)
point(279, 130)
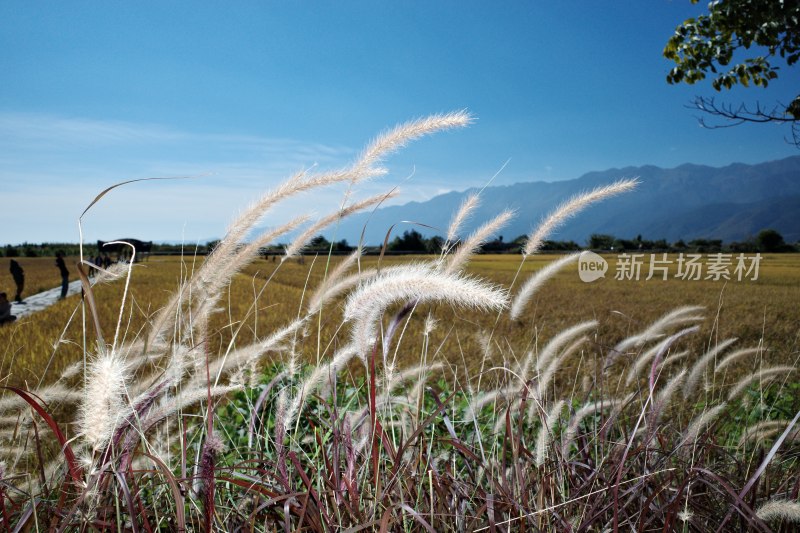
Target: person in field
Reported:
point(5, 310)
point(62, 268)
point(19, 279)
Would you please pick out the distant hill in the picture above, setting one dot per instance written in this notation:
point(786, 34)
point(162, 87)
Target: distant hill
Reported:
point(731, 203)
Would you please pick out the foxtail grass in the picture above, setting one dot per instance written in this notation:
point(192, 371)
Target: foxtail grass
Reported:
point(314, 425)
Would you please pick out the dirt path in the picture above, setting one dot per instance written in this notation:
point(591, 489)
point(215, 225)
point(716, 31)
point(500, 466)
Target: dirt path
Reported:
point(42, 300)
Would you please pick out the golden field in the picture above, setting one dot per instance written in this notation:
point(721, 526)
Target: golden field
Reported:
point(267, 294)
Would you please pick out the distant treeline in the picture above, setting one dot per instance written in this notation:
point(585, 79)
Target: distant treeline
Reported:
point(47, 249)
point(413, 242)
point(767, 241)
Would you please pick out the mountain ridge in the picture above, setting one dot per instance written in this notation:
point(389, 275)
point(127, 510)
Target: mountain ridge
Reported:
point(731, 203)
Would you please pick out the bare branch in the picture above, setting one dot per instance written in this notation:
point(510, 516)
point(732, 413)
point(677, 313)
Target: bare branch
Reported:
point(735, 115)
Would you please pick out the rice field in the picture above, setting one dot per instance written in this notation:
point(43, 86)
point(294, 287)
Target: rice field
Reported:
point(267, 295)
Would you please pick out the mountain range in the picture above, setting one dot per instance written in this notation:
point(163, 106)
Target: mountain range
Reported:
point(731, 203)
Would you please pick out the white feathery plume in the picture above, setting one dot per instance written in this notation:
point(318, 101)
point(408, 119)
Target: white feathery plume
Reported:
point(643, 360)
point(699, 368)
point(779, 510)
point(657, 328)
point(473, 242)
point(572, 207)
point(180, 356)
point(112, 273)
point(583, 412)
point(104, 405)
point(71, 371)
point(430, 325)
point(207, 284)
point(416, 372)
point(344, 265)
point(229, 256)
point(556, 343)
point(758, 429)
point(302, 240)
point(252, 249)
point(12, 420)
point(545, 434)
point(58, 393)
point(246, 221)
point(666, 394)
point(185, 399)
point(537, 280)
point(469, 205)
point(363, 168)
point(180, 359)
point(674, 358)
point(700, 422)
point(662, 402)
point(250, 353)
point(546, 376)
point(767, 374)
point(735, 356)
point(386, 143)
point(401, 135)
point(315, 379)
point(366, 165)
point(418, 283)
point(485, 398)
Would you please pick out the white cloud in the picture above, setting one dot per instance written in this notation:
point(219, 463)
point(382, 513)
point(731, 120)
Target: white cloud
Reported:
point(35, 130)
point(51, 168)
point(49, 149)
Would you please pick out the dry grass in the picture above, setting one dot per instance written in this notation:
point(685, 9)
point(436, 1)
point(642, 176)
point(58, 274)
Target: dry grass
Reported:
point(749, 310)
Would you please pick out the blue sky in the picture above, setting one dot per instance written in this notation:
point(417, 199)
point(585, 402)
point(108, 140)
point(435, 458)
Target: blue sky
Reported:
point(241, 94)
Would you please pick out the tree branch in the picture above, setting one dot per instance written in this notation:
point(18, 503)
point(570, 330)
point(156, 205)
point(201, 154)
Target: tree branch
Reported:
point(734, 115)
